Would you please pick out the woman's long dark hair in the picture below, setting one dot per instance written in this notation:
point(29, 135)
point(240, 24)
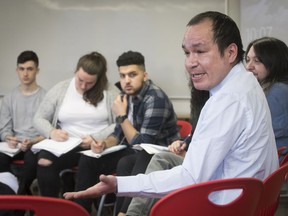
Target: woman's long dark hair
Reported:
point(94, 64)
point(197, 102)
point(273, 53)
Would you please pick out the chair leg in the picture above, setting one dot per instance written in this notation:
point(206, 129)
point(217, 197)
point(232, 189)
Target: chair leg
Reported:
point(67, 177)
point(102, 204)
point(114, 209)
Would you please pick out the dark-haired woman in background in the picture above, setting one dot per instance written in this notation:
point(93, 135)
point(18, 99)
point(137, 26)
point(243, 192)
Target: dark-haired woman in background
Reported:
point(267, 59)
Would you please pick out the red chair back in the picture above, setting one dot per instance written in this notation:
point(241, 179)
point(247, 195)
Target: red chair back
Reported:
point(185, 128)
point(284, 160)
point(272, 187)
point(42, 206)
point(193, 200)
point(280, 150)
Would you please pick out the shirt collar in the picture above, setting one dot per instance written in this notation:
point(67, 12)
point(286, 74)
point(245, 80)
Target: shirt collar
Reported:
point(232, 72)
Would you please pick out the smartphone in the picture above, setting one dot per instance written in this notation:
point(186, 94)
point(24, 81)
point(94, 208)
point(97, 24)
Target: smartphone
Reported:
point(118, 85)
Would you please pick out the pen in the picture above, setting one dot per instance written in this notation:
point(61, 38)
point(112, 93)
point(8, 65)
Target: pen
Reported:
point(96, 149)
point(186, 139)
point(182, 142)
point(93, 139)
point(58, 126)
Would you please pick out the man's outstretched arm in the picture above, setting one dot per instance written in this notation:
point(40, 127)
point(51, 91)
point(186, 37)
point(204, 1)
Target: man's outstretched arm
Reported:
point(107, 184)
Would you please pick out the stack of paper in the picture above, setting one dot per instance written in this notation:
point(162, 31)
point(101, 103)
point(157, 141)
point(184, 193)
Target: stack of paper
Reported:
point(57, 148)
point(4, 148)
point(151, 148)
point(112, 149)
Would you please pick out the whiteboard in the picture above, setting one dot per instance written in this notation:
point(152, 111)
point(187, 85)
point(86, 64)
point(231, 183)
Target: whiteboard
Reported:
point(260, 18)
point(61, 31)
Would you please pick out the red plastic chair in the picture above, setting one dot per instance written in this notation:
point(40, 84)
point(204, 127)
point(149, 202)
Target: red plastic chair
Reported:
point(280, 150)
point(272, 187)
point(193, 200)
point(42, 206)
point(185, 128)
point(16, 166)
point(284, 160)
point(18, 162)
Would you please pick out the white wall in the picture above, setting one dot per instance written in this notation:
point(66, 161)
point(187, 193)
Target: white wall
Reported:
point(264, 18)
point(61, 31)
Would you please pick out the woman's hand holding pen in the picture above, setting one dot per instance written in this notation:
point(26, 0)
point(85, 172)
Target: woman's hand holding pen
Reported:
point(12, 141)
point(98, 146)
point(26, 144)
point(178, 147)
point(59, 135)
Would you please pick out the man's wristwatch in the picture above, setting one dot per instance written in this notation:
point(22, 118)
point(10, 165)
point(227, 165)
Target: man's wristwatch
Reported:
point(120, 119)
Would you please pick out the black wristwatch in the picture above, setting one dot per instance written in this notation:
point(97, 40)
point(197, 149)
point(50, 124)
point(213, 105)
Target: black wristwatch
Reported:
point(120, 119)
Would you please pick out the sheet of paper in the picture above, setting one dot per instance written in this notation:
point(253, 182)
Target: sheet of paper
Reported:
point(57, 148)
point(4, 148)
point(106, 151)
point(151, 148)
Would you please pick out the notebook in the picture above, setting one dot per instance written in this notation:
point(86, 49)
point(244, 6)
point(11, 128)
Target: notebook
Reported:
point(4, 148)
point(55, 147)
point(150, 148)
point(112, 149)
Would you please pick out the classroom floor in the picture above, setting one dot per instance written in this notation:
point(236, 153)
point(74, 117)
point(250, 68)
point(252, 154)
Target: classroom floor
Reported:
point(283, 202)
point(283, 206)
